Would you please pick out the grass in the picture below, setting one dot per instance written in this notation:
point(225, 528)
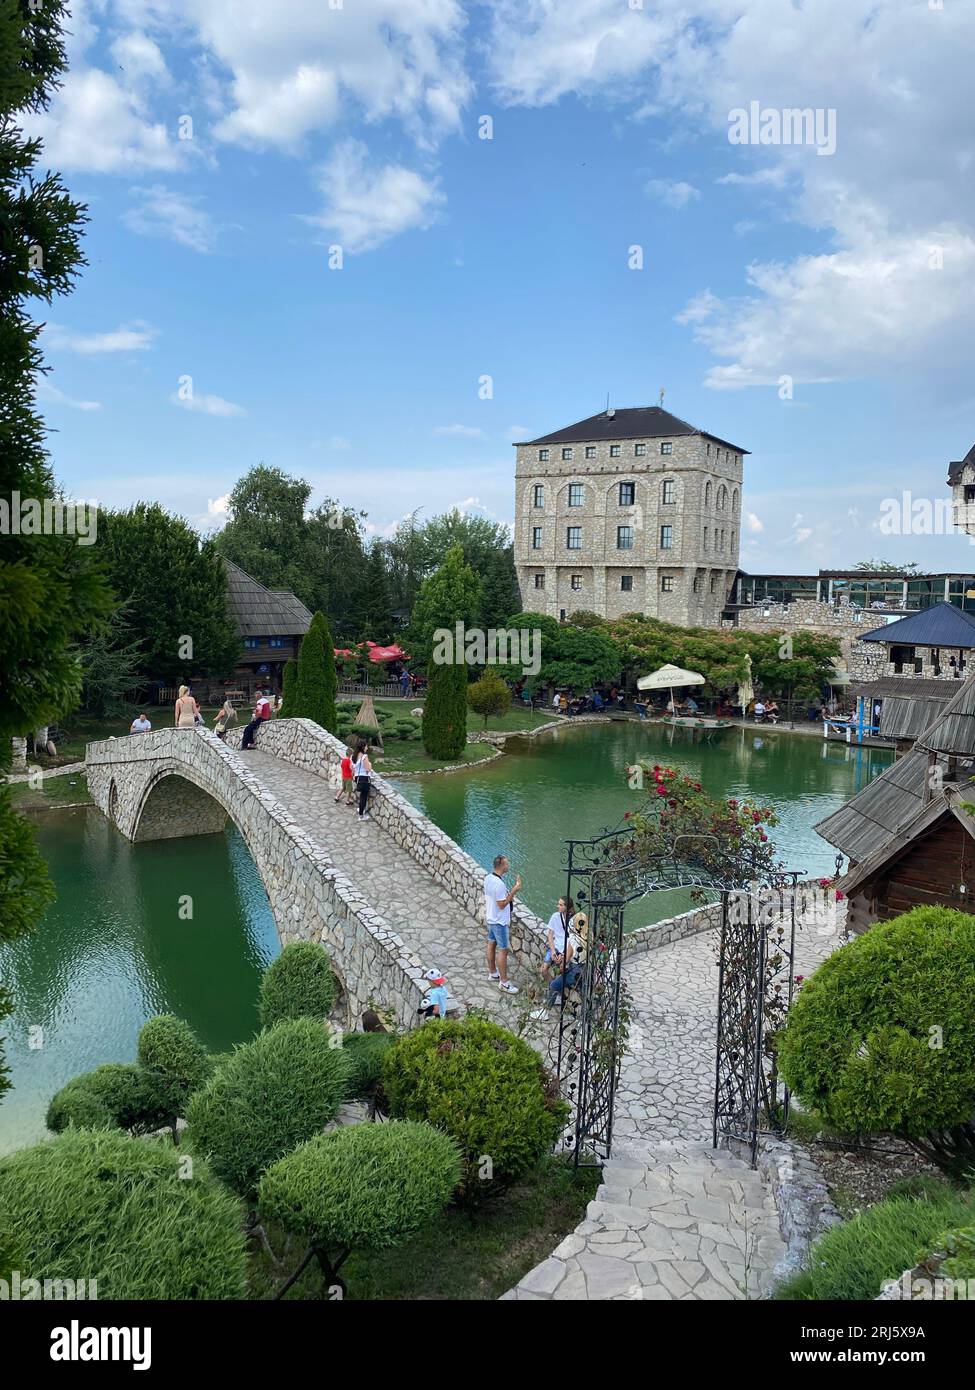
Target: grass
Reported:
point(409, 755)
point(516, 718)
point(461, 1255)
point(854, 1260)
point(71, 790)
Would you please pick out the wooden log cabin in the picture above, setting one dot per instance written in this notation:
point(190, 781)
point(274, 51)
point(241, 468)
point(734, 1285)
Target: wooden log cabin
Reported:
point(908, 836)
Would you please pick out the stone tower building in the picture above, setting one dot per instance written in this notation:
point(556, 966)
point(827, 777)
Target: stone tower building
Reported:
point(630, 511)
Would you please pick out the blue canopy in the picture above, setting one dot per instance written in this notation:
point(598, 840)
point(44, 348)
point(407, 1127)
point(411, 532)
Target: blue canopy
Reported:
point(942, 625)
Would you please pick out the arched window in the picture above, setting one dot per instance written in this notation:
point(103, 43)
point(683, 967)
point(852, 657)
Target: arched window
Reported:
point(722, 497)
point(707, 492)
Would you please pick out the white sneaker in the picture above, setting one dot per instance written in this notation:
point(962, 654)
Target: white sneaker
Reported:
point(365, 817)
point(494, 975)
point(538, 1013)
point(508, 987)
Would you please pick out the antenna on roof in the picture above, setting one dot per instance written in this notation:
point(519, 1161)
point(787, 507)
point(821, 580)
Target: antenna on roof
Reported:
point(607, 402)
point(662, 394)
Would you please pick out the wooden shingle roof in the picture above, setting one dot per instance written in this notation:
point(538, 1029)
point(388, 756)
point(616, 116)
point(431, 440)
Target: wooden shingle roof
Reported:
point(261, 612)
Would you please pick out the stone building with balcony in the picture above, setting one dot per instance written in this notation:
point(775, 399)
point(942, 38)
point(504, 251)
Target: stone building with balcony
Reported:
point(628, 511)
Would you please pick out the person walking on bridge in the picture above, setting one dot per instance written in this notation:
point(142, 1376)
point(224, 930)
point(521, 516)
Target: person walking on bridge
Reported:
point(497, 911)
point(362, 768)
point(186, 709)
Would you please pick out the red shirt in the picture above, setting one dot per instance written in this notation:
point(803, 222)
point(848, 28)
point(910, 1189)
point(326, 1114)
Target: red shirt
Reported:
point(347, 769)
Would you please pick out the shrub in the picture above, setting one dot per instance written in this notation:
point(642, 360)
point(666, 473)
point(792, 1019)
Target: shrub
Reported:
point(365, 1052)
point(445, 712)
point(959, 1250)
point(170, 1049)
point(298, 984)
point(271, 1095)
point(362, 1185)
point(101, 1205)
point(117, 1095)
point(289, 687)
point(482, 1085)
point(489, 695)
point(856, 1259)
point(859, 1044)
point(316, 683)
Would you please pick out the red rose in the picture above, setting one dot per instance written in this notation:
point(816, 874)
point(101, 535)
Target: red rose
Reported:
point(661, 791)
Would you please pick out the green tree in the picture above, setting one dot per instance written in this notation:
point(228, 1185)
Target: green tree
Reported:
point(487, 550)
point(110, 666)
point(317, 683)
point(265, 532)
point(571, 656)
point(489, 695)
point(51, 594)
point(451, 595)
point(445, 712)
point(377, 613)
point(174, 587)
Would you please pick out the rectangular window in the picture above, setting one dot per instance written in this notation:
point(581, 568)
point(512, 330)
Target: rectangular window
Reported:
point(590, 451)
point(666, 537)
point(614, 451)
point(627, 494)
point(577, 494)
point(639, 450)
point(667, 448)
point(969, 493)
point(575, 581)
point(536, 538)
point(543, 456)
point(252, 642)
point(666, 583)
point(697, 583)
point(566, 453)
point(573, 538)
point(626, 583)
point(714, 580)
point(538, 495)
point(667, 495)
point(624, 538)
point(539, 581)
point(275, 641)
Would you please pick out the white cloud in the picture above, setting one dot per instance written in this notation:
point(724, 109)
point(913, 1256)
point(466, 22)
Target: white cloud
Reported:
point(365, 206)
point(206, 404)
point(676, 194)
point(339, 443)
point(135, 337)
point(96, 124)
point(139, 58)
point(163, 212)
point(516, 433)
point(461, 431)
point(47, 392)
point(753, 522)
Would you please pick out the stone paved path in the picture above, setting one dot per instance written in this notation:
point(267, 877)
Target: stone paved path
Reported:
point(674, 1218)
point(422, 913)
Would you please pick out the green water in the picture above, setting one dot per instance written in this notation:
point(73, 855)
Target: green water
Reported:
point(572, 782)
point(114, 949)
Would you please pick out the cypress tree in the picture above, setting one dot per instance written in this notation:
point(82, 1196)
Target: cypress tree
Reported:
point(445, 711)
point(317, 683)
point(289, 686)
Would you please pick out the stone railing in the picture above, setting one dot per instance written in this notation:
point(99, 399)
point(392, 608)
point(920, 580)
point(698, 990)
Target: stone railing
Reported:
point(304, 744)
point(707, 917)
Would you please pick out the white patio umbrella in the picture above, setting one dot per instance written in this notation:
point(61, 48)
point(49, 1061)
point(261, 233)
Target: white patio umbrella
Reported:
point(746, 691)
point(669, 677)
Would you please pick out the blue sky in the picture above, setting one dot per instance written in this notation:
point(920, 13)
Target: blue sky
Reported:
point(853, 274)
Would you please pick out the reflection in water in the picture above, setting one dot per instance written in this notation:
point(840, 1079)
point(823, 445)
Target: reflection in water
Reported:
point(119, 945)
point(572, 782)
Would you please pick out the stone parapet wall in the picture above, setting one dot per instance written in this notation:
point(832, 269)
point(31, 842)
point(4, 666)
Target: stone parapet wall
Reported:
point(698, 919)
point(304, 744)
point(311, 899)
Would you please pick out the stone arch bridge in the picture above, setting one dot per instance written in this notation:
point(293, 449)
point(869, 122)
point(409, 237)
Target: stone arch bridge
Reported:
point(387, 898)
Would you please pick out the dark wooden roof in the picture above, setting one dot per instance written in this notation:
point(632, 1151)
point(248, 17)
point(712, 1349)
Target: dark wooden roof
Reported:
point(956, 469)
point(907, 717)
point(638, 422)
point(891, 801)
point(941, 625)
point(910, 687)
point(261, 612)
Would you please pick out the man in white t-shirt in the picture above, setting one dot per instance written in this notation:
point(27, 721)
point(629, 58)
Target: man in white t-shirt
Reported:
point(140, 725)
point(497, 912)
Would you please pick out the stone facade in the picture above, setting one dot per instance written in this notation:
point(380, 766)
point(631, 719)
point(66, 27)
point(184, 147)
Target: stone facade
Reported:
point(177, 782)
point(689, 483)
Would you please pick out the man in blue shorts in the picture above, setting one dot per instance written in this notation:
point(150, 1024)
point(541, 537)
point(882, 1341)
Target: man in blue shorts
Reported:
point(497, 913)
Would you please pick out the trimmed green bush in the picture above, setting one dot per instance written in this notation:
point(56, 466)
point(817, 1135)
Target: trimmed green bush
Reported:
point(298, 984)
point(95, 1204)
point(366, 1052)
point(362, 1185)
point(116, 1095)
point(881, 1038)
point(489, 695)
point(289, 686)
point(856, 1259)
point(271, 1095)
point(482, 1085)
point(169, 1048)
point(316, 684)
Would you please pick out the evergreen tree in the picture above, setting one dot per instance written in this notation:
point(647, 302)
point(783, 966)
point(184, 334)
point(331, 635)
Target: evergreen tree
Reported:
point(174, 587)
point(317, 683)
point(51, 594)
point(445, 711)
point(451, 595)
point(377, 616)
point(289, 690)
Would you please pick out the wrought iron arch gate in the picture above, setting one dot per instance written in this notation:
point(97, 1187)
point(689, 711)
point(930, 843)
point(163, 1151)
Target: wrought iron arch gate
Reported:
point(755, 987)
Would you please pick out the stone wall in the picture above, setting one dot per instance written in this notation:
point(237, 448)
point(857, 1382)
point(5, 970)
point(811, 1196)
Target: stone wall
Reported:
point(842, 621)
point(311, 899)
